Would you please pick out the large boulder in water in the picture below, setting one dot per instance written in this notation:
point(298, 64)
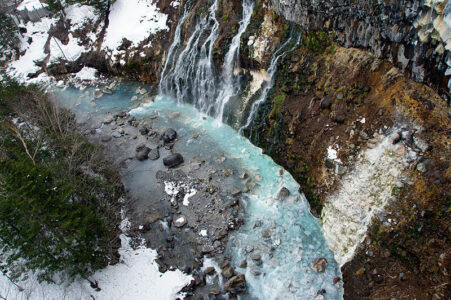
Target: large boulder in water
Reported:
point(173, 160)
point(169, 135)
point(236, 284)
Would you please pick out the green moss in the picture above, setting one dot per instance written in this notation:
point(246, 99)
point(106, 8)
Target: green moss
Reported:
point(317, 42)
point(278, 102)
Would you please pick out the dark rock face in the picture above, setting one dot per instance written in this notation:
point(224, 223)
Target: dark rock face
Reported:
point(169, 135)
point(173, 160)
point(389, 29)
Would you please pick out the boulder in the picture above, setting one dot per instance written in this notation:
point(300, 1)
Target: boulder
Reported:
point(235, 192)
point(98, 93)
point(143, 154)
point(319, 265)
point(106, 138)
point(236, 284)
point(116, 134)
point(154, 154)
point(215, 292)
point(243, 264)
point(228, 272)
point(209, 271)
point(169, 135)
point(180, 222)
point(266, 233)
point(256, 257)
point(144, 130)
point(283, 193)
point(173, 160)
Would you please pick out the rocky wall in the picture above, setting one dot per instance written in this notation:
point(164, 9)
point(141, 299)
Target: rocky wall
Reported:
point(414, 35)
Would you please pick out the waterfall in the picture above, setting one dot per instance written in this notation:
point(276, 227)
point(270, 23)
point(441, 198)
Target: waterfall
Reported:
point(192, 76)
point(230, 87)
point(272, 69)
point(164, 82)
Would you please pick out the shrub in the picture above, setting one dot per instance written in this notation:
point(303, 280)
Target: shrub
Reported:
point(58, 194)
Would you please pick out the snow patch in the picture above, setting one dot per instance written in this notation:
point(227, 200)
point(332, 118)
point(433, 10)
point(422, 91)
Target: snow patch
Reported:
point(34, 51)
point(133, 20)
point(86, 74)
point(79, 15)
point(70, 52)
point(135, 277)
point(173, 189)
point(332, 154)
point(31, 5)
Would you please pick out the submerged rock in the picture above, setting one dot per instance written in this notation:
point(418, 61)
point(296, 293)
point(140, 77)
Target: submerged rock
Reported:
point(169, 135)
point(154, 154)
point(283, 193)
point(173, 160)
point(319, 266)
point(98, 93)
point(228, 272)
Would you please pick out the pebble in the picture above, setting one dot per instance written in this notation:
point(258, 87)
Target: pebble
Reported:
point(319, 265)
point(266, 233)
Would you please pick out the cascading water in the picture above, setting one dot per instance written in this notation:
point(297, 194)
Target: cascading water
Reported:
point(192, 77)
point(272, 70)
point(229, 82)
point(164, 82)
point(282, 234)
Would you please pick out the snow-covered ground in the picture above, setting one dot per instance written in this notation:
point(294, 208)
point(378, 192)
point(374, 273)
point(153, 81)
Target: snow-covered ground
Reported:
point(134, 20)
point(135, 277)
point(34, 49)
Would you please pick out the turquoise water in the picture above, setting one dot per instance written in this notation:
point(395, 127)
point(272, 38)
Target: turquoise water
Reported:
point(295, 241)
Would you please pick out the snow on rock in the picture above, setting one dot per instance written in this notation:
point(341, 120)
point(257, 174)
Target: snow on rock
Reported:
point(34, 51)
point(173, 189)
point(79, 15)
point(31, 5)
point(86, 74)
point(70, 52)
point(362, 195)
point(133, 20)
point(332, 154)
